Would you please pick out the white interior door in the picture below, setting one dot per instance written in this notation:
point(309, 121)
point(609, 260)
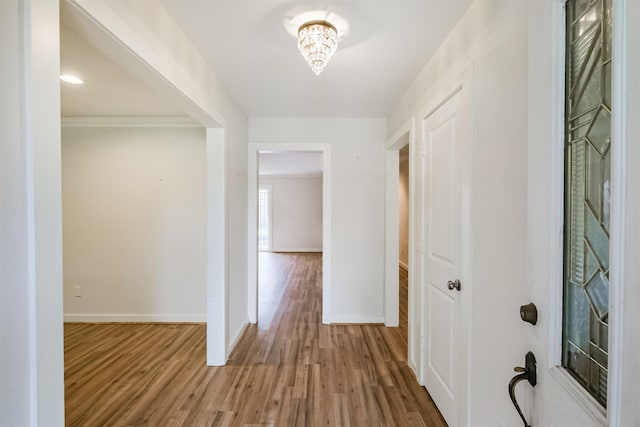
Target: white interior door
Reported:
point(443, 159)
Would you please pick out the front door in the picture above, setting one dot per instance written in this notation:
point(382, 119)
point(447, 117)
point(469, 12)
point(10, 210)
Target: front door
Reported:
point(443, 161)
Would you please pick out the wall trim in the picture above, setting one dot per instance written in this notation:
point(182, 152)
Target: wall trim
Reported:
point(141, 121)
point(299, 175)
point(305, 250)
point(414, 369)
point(404, 135)
point(348, 319)
point(135, 318)
point(237, 338)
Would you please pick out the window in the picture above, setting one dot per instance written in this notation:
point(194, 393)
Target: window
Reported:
point(587, 194)
point(264, 218)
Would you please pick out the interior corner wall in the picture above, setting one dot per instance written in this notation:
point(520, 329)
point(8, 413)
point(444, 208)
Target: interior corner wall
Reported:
point(296, 206)
point(403, 215)
point(358, 182)
point(134, 215)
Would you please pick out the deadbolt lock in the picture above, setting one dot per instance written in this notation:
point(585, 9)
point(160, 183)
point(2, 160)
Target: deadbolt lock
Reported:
point(529, 313)
point(453, 284)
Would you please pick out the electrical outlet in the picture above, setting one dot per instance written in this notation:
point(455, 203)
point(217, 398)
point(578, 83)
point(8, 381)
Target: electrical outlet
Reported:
point(77, 291)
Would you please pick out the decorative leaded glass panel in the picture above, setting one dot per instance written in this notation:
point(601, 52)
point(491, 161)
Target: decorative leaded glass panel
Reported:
point(587, 193)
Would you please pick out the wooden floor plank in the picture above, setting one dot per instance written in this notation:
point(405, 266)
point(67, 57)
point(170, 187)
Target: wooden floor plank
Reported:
point(288, 370)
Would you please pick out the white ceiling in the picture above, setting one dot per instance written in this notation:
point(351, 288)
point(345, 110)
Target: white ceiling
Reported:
point(297, 163)
point(247, 45)
point(108, 90)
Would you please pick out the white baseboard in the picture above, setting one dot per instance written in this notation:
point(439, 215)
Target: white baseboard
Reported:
point(135, 318)
point(403, 265)
point(414, 370)
point(357, 319)
point(298, 250)
point(235, 340)
point(413, 367)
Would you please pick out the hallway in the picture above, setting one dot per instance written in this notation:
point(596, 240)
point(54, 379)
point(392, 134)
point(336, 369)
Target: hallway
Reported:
point(290, 370)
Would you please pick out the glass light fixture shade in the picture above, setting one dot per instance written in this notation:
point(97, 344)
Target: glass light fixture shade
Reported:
point(317, 41)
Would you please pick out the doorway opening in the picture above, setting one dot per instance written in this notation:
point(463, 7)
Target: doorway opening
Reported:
point(289, 221)
point(289, 212)
point(402, 293)
point(403, 241)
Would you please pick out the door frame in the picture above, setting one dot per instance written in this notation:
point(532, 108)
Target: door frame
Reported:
point(460, 81)
point(403, 136)
point(252, 224)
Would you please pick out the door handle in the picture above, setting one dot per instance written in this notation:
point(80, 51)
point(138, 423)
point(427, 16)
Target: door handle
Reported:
point(454, 284)
point(527, 373)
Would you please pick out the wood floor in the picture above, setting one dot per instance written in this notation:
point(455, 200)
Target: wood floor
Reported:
point(290, 370)
point(404, 304)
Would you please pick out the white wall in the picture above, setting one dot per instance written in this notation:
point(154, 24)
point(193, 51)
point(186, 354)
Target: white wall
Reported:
point(31, 342)
point(357, 237)
point(296, 213)
point(403, 213)
point(513, 49)
point(134, 216)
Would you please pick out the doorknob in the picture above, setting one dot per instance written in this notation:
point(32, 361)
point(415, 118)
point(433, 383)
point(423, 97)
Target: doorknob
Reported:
point(527, 373)
point(454, 284)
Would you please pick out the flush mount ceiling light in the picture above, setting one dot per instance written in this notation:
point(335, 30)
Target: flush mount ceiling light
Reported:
point(318, 33)
point(317, 41)
point(71, 79)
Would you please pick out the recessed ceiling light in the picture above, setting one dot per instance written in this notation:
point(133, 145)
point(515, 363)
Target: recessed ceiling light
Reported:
point(71, 79)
